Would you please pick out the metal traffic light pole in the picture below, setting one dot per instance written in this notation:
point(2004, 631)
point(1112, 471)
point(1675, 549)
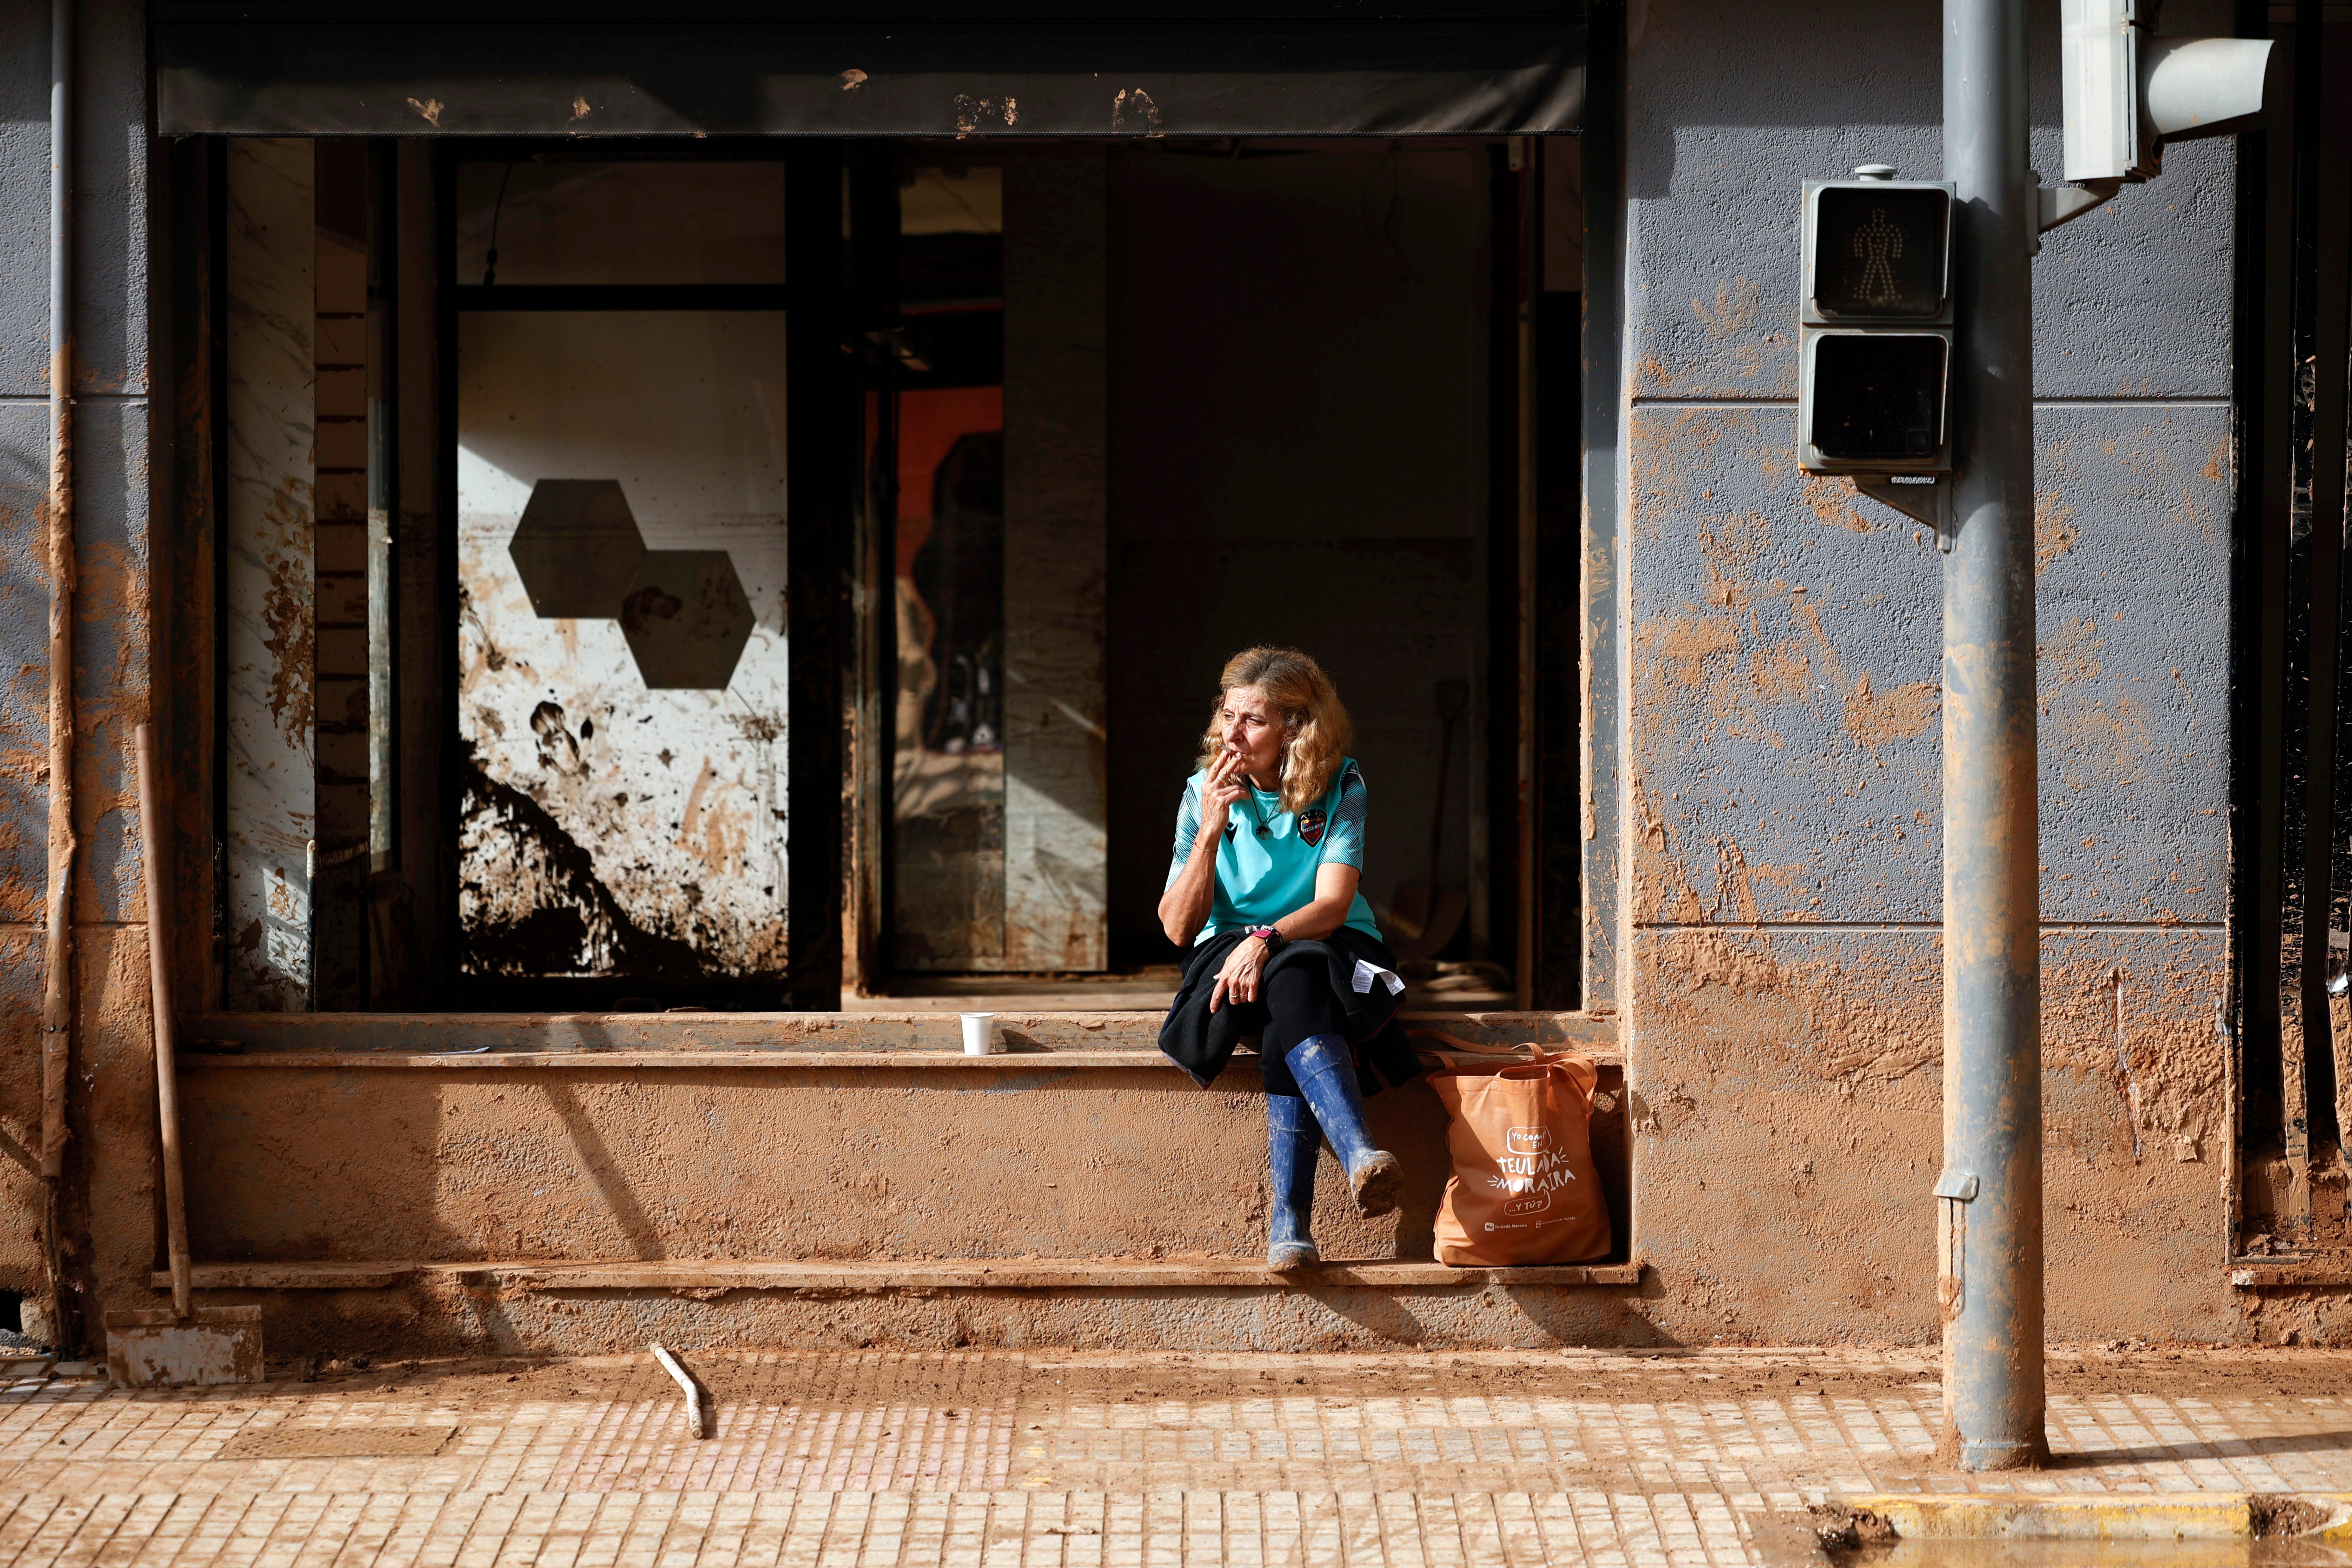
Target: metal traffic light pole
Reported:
point(1990, 1215)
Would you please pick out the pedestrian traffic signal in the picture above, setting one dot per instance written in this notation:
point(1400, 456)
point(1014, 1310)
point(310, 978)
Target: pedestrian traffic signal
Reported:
point(1874, 330)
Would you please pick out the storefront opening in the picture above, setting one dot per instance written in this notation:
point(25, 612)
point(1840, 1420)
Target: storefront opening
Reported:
point(1098, 414)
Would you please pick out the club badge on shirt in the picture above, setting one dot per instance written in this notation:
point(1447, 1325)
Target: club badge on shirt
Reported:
point(1310, 826)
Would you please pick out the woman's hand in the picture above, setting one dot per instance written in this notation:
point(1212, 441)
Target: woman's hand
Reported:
point(1239, 978)
point(1185, 904)
point(1225, 785)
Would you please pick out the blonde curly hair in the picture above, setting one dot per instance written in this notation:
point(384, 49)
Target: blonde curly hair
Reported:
point(1317, 731)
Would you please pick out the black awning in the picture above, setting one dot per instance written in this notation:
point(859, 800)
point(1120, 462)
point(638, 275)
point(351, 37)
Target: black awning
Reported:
point(526, 67)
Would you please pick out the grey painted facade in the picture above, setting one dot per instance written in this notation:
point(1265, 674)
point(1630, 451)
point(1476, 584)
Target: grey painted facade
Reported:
point(1781, 730)
point(1767, 776)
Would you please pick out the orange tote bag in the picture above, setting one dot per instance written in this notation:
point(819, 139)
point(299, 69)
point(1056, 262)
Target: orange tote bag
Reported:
point(1524, 1189)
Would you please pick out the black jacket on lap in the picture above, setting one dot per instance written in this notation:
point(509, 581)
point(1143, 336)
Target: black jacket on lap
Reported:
point(1202, 1042)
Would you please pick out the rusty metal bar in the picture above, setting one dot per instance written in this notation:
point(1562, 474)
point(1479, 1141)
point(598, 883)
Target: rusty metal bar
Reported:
point(152, 839)
point(1990, 1213)
point(58, 987)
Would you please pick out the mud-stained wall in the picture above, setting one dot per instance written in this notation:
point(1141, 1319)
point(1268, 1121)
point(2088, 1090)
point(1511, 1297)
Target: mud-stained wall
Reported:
point(24, 605)
point(1782, 969)
point(688, 1163)
point(110, 1194)
point(1783, 727)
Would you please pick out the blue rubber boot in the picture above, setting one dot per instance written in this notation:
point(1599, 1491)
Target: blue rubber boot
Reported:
point(1292, 1141)
point(1324, 1066)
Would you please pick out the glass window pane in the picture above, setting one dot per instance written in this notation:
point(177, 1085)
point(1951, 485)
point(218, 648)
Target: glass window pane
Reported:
point(949, 750)
point(949, 869)
point(621, 223)
point(951, 201)
point(622, 686)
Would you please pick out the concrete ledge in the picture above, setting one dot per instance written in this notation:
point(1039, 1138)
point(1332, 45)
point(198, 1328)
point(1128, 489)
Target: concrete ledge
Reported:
point(2320, 1271)
point(771, 1060)
point(2143, 1516)
point(939, 1274)
point(596, 1061)
point(440, 1036)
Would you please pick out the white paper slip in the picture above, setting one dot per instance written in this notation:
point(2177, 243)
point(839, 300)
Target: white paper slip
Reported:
point(1367, 972)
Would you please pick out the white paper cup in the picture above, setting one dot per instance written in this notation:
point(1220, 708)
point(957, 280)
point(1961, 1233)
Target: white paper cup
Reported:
point(980, 1035)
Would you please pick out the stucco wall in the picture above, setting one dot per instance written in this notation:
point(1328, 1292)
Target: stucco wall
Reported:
point(110, 1157)
point(1782, 975)
point(1782, 729)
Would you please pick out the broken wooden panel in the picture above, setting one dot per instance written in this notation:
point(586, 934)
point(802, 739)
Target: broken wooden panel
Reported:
point(270, 537)
point(622, 685)
point(1056, 858)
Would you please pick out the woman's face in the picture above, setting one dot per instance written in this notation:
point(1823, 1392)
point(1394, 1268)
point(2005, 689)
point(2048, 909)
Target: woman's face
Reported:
point(1250, 728)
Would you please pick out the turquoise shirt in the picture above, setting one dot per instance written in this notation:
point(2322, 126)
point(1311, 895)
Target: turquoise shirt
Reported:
point(1266, 866)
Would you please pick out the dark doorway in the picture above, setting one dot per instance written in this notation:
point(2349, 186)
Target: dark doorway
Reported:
point(1317, 441)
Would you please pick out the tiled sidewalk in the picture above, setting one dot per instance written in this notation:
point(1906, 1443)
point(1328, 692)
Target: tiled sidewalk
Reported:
point(1525, 1458)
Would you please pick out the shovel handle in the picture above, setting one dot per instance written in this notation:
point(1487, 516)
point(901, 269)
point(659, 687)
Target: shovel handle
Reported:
point(159, 973)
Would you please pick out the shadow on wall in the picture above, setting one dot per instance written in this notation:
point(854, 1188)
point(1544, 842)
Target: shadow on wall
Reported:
point(1850, 64)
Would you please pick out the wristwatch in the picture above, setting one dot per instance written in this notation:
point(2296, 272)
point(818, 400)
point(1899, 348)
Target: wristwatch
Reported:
point(1268, 935)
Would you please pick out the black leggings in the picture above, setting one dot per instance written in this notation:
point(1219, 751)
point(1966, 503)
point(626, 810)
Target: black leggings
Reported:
point(1296, 1003)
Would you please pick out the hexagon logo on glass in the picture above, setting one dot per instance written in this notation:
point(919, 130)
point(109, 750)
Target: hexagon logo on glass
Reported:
point(684, 612)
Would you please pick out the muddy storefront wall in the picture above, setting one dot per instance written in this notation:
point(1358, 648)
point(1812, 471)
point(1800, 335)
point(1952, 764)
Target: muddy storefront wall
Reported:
point(1785, 1070)
point(108, 1157)
point(1782, 737)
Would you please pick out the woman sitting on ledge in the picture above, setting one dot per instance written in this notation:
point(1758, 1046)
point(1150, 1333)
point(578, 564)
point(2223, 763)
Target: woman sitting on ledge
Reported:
point(1269, 848)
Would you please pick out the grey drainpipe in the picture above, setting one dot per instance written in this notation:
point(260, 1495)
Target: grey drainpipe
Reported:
point(57, 990)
